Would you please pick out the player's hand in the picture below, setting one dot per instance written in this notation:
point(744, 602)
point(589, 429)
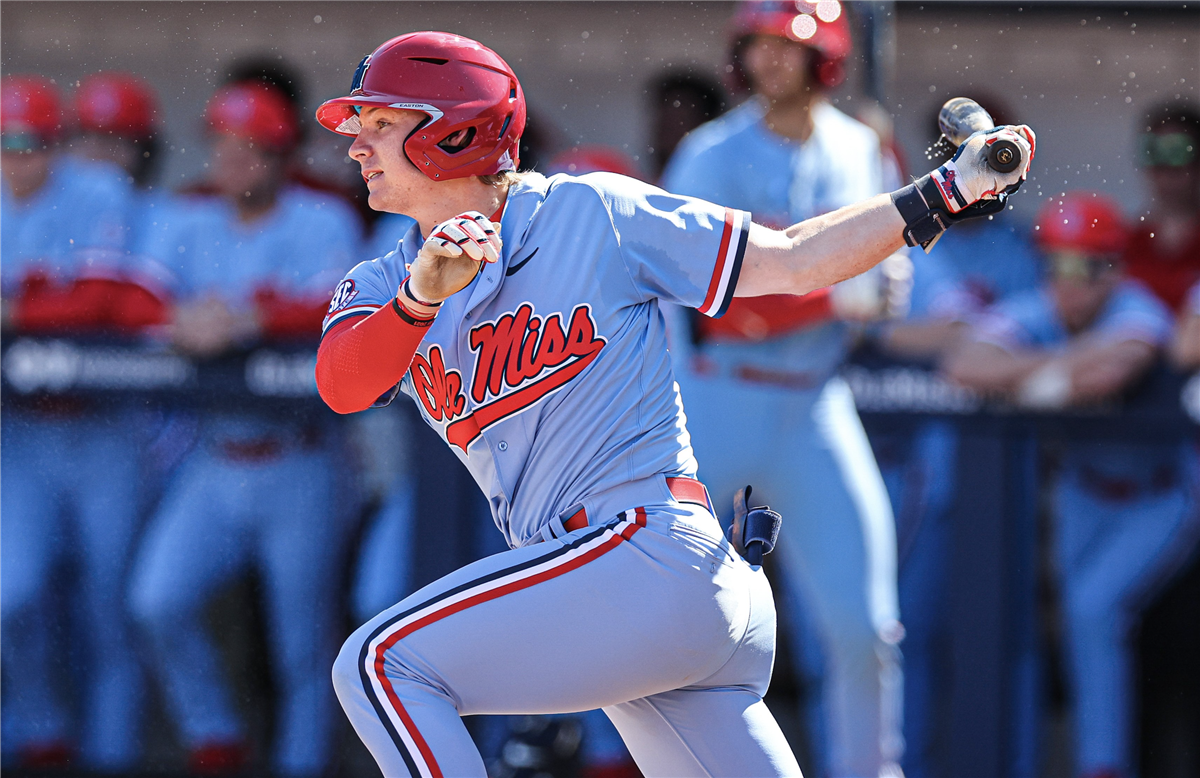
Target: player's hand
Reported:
point(207, 327)
point(967, 178)
point(452, 256)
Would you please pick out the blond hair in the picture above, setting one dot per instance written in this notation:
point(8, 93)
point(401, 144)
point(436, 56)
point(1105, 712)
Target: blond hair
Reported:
point(506, 178)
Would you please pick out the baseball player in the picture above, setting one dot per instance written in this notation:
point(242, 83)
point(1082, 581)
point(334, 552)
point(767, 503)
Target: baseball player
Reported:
point(768, 370)
point(116, 122)
point(70, 465)
point(982, 264)
point(1164, 250)
point(256, 263)
point(522, 315)
point(1123, 515)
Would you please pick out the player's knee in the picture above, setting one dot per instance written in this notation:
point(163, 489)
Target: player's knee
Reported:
point(154, 604)
point(347, 679)
point(1088, 613)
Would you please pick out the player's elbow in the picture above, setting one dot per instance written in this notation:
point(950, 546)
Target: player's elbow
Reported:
point(338, 400)
point(339, 404)
point(332, 386)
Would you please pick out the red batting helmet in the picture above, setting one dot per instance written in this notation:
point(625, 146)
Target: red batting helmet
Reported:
point(255, 111)
point(31, 106)
point(116, 104)
point(459, 84)
point(819, 25)
point(1085, 222)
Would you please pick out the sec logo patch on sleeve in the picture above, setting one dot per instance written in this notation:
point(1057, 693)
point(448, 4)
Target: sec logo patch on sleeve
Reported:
point(343, 295)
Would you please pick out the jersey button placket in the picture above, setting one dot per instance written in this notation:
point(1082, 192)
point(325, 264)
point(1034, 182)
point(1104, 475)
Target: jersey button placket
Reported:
point(502, 445)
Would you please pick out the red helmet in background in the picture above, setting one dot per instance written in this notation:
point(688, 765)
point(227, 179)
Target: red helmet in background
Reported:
point(31, 105)
point(821, 26)
point(578, 160)
point(1084, 222)
point(119, 104)
point(459, 84)
point(255, 111)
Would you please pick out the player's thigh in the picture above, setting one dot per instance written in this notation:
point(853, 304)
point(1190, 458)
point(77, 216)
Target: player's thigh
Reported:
point(1145, 540)
point(723, 731)
point(105, 499)
point(299, 515)
point(567, 625)
point(301, 550)
point(31, 532)
point(384, 556)
point(838, 540)
point(193, 543)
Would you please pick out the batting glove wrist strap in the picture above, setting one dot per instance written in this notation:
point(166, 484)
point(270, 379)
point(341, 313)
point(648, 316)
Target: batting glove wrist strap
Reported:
point(923, 223)
point(926, 215)
point(412, 310)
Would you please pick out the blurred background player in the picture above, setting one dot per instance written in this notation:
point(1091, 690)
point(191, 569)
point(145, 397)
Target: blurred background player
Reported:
point(256, 262)
point(1123, 515)
point(1164, 253)
point(1164, 250)
point(71, 465)
point(983, 264)
point(116, 121)
point(764, 404)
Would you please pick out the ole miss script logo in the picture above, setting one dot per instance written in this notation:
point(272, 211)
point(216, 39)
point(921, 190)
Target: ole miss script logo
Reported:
point(528, 354)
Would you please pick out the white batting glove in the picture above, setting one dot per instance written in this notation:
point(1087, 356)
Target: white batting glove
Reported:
point(453, 255)
point(469, 233)
point(967, 178)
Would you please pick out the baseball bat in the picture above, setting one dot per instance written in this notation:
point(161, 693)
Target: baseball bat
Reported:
point(962, 116)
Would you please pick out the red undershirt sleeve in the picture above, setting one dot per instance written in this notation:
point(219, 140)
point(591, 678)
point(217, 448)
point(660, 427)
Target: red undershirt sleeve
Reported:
point(755, 318)
point(362, 359)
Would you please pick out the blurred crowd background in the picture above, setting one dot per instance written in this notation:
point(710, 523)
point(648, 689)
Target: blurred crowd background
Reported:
point(188, 534)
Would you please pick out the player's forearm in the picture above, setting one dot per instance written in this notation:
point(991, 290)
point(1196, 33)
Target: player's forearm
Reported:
point(1102, 371)
point(821, 251)
point(360, 362)
point(923, 339)
point(1185, 349)
point(988, 368)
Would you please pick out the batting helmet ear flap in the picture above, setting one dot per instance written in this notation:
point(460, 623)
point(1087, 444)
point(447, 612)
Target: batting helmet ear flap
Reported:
point(457, 140)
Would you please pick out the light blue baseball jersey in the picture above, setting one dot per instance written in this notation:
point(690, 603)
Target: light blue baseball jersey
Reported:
point(737, 161)
point(77, 218)
point(302, 246)
point(1132, 312)
point(299, 249)
point(549, 375)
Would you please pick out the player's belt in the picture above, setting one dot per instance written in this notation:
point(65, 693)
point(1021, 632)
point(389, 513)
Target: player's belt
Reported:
point(257, 450)
point(683, 489)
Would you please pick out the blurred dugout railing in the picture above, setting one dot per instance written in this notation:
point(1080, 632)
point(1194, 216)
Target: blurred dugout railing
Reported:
point(996, 705)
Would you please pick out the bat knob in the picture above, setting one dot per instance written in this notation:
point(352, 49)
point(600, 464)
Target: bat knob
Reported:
point(1004, 156)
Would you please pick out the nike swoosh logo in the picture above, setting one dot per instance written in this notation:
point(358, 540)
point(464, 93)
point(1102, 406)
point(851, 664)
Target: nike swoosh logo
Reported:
point(521, 264)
